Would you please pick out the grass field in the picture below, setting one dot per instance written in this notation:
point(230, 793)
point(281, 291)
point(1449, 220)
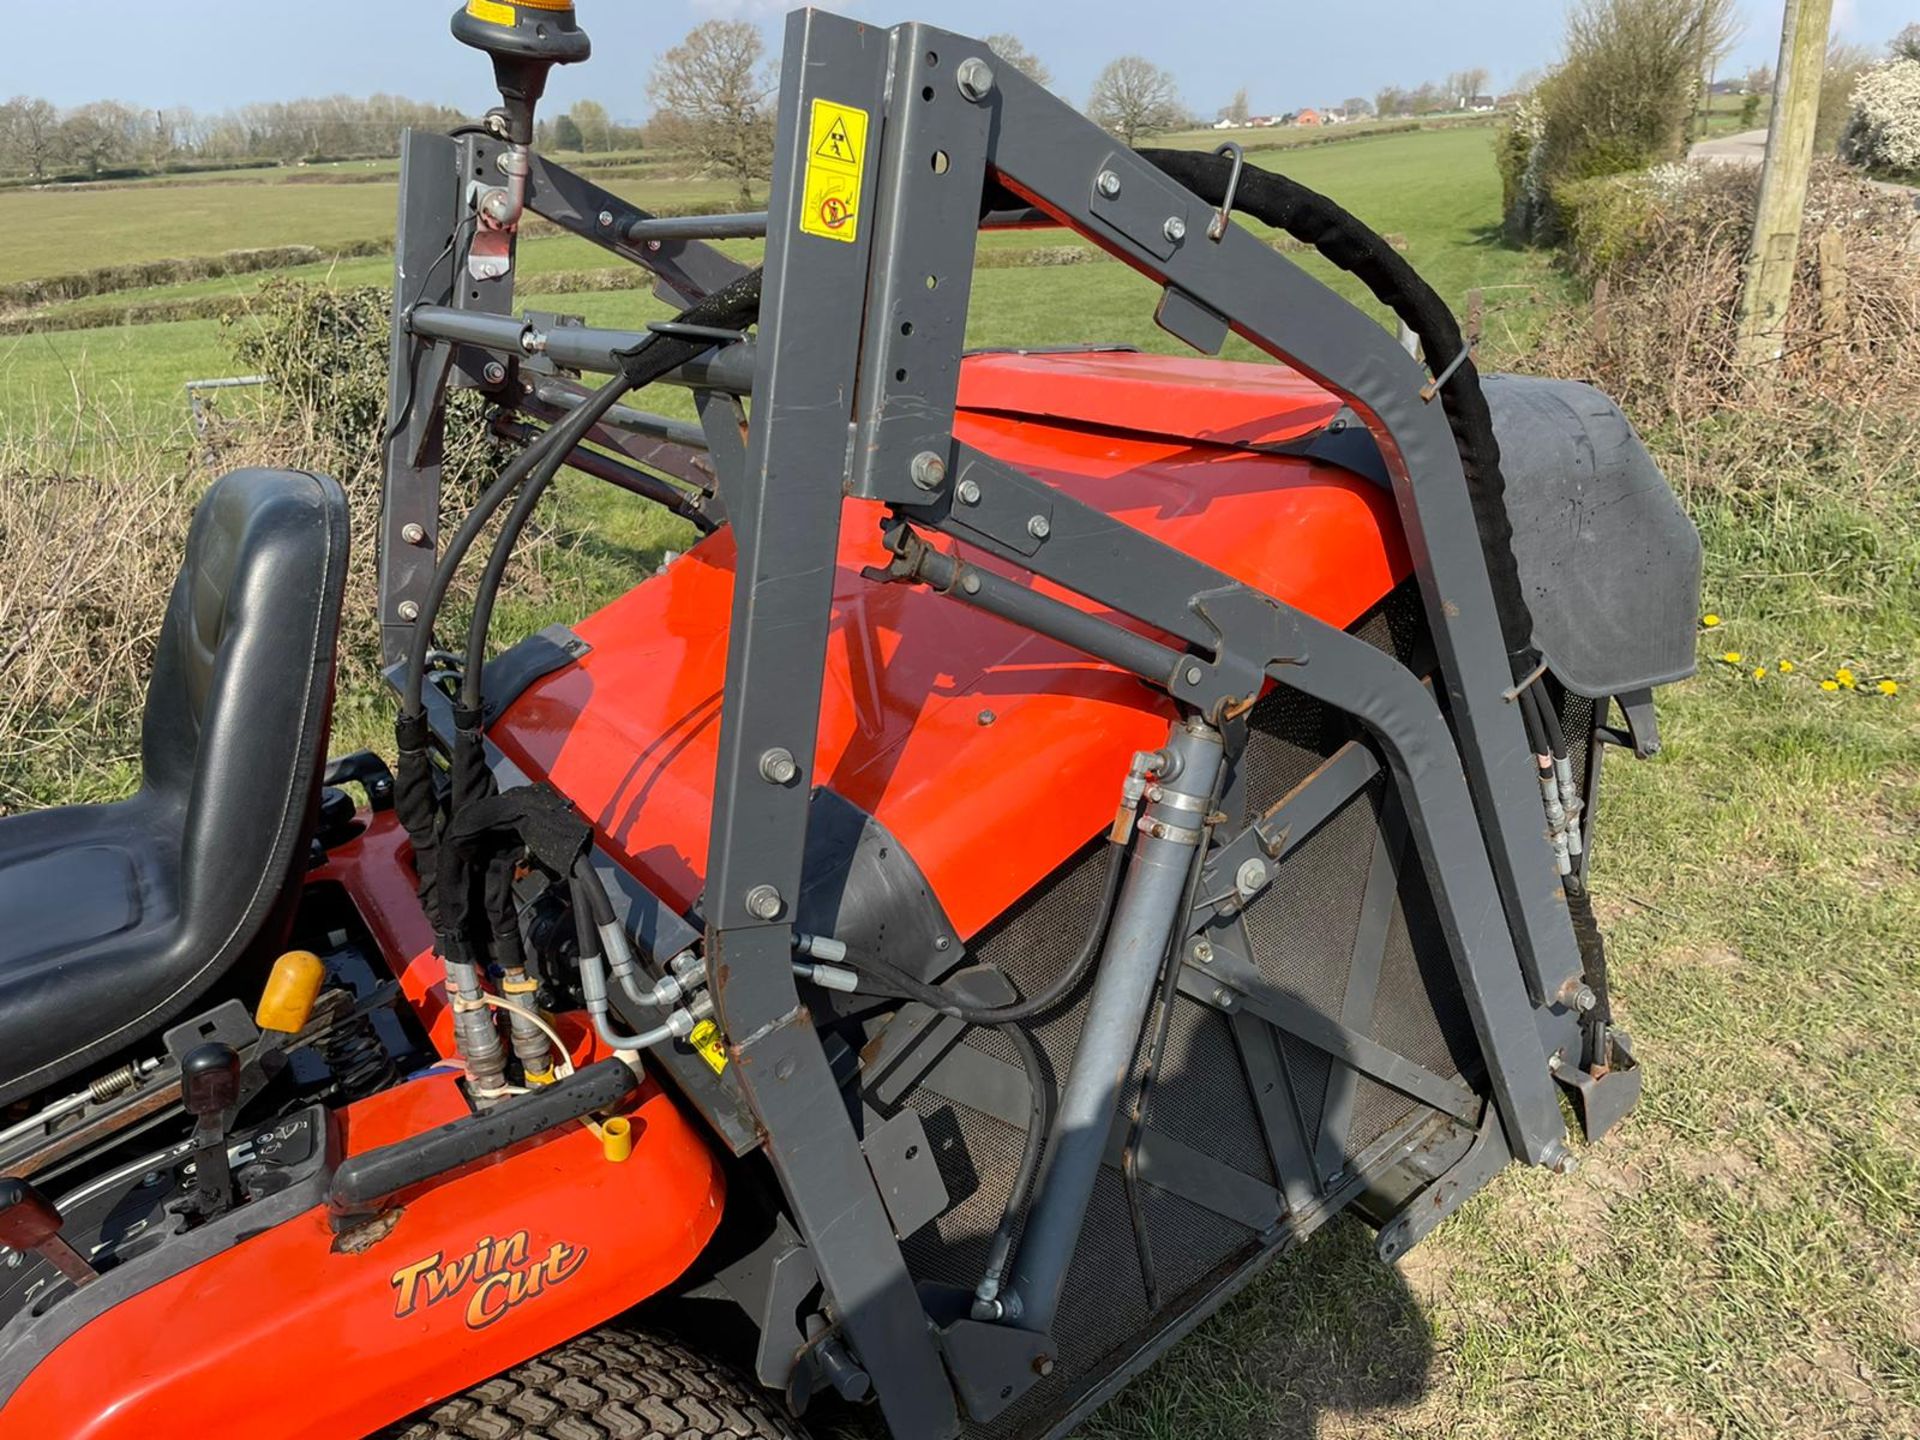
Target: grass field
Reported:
point(1437, 189)
point(1739, 1258)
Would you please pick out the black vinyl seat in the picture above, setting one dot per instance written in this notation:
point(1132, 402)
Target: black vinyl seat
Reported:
point(114, 918)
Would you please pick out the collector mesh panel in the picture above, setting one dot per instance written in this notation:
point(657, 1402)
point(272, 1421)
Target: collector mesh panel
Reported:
point(1302, 932)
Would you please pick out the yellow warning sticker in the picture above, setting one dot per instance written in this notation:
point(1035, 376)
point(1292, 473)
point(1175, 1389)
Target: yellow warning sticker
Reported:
point(836, 163)
point(491, 10)
point(706, 1039)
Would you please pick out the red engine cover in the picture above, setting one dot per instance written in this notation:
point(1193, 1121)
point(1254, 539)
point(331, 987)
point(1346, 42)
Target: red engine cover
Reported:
point(990, 753)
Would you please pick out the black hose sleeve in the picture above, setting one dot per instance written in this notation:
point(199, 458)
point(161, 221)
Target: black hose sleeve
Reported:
point(1313, 219)
point(419, 810)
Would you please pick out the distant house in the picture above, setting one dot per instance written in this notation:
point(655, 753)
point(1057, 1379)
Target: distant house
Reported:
point(1308, 117)
point(1481, 104)
point(1261, 122)
point(1223, 123)
point(1507, 102)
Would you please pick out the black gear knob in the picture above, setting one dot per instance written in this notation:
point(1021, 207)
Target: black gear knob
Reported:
point(29, 1224)
point(210, 1080)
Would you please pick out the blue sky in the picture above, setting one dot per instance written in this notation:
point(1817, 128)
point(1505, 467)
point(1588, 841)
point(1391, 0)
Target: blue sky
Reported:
point(211, 54)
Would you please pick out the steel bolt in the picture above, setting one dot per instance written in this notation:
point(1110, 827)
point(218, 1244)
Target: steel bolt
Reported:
point(1108, 184)
point(929, 471)
point(606, 219)
point(495, 373)
point(414, 533)
point(1195, 675)
point(970, 583)
point(1043, 1365)
point(764, 903)
point(1203, 951)
point(777, 766)
point(975, 78)
point(1175, 229)
point(1584, 999)
point(409, 610)
point(986, 717)
point(1251, 876)
point(969, 492)
point(1039, 527)
point(1223, 997)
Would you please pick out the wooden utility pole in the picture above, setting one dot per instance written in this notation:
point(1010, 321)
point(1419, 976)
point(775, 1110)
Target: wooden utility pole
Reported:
point(1783, 182)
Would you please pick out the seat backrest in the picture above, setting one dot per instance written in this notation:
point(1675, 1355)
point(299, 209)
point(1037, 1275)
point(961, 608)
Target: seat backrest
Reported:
point(238, 706)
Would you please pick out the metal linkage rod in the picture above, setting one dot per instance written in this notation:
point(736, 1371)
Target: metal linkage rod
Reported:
point(580, 347)
point(625, 417)
point(748, 225)
point(1143, 921)
point(1027, 608)
point(615, 472)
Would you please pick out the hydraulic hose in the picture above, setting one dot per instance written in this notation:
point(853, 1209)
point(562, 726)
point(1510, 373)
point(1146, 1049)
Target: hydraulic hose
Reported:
point(1353, 247)
point(943, 1002)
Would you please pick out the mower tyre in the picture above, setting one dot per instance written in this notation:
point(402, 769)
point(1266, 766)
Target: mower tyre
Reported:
point(614, 1383)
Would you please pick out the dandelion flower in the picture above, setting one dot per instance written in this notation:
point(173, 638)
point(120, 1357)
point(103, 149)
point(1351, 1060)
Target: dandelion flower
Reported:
point(1760, 672)
point(1829, 684)
point(1845, 677)
point(1709, 621)
point(1889, 687)
point(1733, 657)
point(1786, 667)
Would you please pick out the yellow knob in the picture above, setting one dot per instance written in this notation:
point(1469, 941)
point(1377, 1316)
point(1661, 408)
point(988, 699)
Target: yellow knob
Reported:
point(291, 990)
point(616, 1138)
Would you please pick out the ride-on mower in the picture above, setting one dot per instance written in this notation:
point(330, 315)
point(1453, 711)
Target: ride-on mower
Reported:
point(1075, 823)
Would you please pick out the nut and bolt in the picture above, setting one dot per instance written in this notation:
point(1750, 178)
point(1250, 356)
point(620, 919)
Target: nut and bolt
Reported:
point(929, 471)
point(414, 533)
point(969, 492)
point(606, 219)
point(777, 766)
point(495, 373)
point(1560, 1159)
point(1039, 527)
point(1108, 184)
point(975, 78)
point(409, 610)
point(1203, 951)
point(986, 717)
point(1584, 999)
point(764, 903)
point(1175, 229)
point(1251, 876)
point(1043, 1365)
point(1223, 997)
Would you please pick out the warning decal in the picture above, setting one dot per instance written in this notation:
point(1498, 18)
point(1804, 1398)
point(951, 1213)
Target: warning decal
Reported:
point(706, 1039)
point(836, 164)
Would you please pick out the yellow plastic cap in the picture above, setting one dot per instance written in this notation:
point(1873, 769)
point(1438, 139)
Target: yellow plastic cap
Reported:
point(291, 990)
point(616, 1138)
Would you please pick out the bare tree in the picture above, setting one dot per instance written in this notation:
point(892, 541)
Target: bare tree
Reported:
point(1474, 82)
point(29, 135)
point(1010, 49)
point(1134, 97)
point(1392, 100)
point(1237, 110)
point(1358, 107)
point(712, 93)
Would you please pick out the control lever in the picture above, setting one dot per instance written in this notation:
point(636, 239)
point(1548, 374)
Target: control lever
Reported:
point(209, 1087)
point(29, 1223)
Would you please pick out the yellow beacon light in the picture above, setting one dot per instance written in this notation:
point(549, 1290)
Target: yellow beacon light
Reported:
point(291, 990)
